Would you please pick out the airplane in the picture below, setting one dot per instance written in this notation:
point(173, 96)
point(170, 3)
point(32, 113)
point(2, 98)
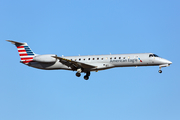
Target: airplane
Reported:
point(87, 64)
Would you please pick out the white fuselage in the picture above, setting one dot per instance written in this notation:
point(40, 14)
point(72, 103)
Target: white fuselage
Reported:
point(88, 63)
point(107, 61)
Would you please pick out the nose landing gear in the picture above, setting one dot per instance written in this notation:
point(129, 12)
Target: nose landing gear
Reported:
point(160, 71)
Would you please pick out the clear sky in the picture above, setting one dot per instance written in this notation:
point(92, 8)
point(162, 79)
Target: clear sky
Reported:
point(88, 28)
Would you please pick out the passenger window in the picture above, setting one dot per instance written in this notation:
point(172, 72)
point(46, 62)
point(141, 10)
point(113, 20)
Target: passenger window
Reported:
point(93, 58)
point(124, 57)
point(119, 57)
point(84, 59)
point(79, 59)
point(106, 57)
point(97, 58)
point(88, 58)
point(114, 57)
point(74, 59)
point(110, 57)
point(101, 58)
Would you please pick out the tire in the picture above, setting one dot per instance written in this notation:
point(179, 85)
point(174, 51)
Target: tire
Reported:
point(86, 77)
point(160, 71)
point(78, 74)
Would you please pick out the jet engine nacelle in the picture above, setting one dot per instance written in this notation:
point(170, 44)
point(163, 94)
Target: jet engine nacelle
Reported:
point(45, 58)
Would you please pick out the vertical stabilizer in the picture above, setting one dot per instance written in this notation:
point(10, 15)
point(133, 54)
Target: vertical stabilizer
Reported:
point(25, 52)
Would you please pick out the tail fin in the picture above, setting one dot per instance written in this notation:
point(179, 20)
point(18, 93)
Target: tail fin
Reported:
point(25, 52)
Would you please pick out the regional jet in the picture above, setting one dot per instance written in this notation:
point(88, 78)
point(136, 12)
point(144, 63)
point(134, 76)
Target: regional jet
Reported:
point(87, 64)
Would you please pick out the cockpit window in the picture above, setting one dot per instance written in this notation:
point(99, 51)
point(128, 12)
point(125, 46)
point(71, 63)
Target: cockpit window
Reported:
point(153, 55)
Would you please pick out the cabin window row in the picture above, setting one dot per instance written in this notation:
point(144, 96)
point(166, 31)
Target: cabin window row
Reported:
point(100, 58)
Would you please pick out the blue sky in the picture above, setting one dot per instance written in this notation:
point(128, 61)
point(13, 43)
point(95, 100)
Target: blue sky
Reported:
point(88, 28)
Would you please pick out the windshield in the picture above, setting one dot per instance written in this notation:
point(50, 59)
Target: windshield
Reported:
point(153, 55)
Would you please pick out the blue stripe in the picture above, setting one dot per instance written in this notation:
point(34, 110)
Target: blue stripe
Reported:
point(28, 50)
point(26, 46)
point(30, 54)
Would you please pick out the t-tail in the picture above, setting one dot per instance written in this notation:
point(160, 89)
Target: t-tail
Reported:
point(25, 52)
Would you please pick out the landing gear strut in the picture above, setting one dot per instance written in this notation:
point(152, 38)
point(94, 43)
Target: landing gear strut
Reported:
point(86, 77)
point(160, 71)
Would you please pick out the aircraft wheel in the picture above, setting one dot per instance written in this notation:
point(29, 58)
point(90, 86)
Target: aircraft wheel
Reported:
point(160, 71)
point(78, 74)
point(86, 77)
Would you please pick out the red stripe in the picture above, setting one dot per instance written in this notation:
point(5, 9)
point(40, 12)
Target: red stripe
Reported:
point(27, 58)
point(20, 46)
point(27, 61)
point(23, 54)
point(21, 50)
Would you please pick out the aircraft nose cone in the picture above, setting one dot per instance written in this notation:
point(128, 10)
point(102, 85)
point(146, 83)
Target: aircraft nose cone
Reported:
point(168, 62)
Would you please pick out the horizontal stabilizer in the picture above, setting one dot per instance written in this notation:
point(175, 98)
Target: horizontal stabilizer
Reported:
point(15, 43)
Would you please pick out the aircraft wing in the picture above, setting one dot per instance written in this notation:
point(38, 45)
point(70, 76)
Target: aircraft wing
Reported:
point(74, 64)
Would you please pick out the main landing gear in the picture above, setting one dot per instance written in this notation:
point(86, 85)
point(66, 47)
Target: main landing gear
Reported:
point(86, 77)
point(78, 74)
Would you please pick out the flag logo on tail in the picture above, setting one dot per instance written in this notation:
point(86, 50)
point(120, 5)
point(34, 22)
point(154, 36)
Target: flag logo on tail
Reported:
point(25, 53)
